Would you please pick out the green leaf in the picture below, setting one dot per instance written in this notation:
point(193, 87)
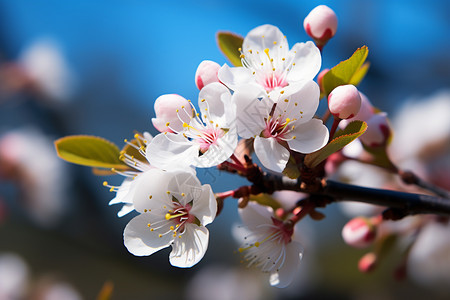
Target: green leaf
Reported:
point(345, 71)
point(229, 43)
point(341, 139)
point(265, 199)
point(89, 151)
point(291, 170)
point(360, 74)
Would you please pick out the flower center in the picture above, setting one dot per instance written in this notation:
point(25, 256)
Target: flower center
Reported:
point(277, 128)
point(268, 252)
point(180, 215)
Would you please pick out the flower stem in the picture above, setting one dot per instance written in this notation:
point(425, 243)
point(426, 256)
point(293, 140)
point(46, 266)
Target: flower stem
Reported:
point(334, 127)
point(236, 160)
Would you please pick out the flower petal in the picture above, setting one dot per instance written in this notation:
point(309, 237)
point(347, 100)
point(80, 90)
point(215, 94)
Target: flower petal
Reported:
point(307, 59)
point(218, 152)
point(205, 205)
point(303, 101)
point(254, 215)
point(151, 190)
point(126, 209)
point(271, 154)
point(171, 151)
point(190, 248)
point(214, 101)
point(140, 240)
point(286, 274)
point(184, 183)
point(122, 195)
point(235, 77)
point(252, 106)
point(266, 37)
point(309, 137)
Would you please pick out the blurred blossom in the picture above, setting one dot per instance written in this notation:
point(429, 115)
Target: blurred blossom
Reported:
point(45, 65)
point(14, 275)
point(28, 158)
point(53, 289)
point(429, 259)
point(227, 283)
point(288, 199)
point(425, 127)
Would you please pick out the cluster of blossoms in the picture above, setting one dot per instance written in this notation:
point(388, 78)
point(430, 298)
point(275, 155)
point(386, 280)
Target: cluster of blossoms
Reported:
point(266, 105)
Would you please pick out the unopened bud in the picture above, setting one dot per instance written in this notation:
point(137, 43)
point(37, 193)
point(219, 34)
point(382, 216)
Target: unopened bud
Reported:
point(321, 24)
point(206, 73)
point(344, 101)
point(171, 111)
point(378, 131)
point(320, 77)
point(359, 232)
point(367, 263)
point(366, 111)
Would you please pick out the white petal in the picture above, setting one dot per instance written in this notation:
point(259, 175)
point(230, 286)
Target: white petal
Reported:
point(303, 101)
point(190, 248)
point(307, 61)
point(151, 190)
point(140, 240)
point(205, 205)
point(218, 152)
point(122, 194)
point(255, 214)
point(271, 154)
point(235, 77)
point(214, 100)
point(266, 37)
point(252, 106)
point(171, 151)
point(184, 183)
point(286, 274)
point(126, 209)
point(309, 137)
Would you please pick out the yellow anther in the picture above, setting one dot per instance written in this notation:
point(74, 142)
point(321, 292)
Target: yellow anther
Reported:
point(167, 124)
point(160, 235)
point(239, 49)
point(167, 216)
point(295, 103)
point(136, 136)
point(275, 42)
point(281, 92)
point(182, 107)
point(283, 59)
point(185, 125)
point(183, 194)
point(294, 137)
point(152, 229)
point(273, 69)
point(125, 140)
point(293, 64)
point(266, 51)
point(241, 250)
point(257, 244)
point(250, 50)
point(262, 64)
point(172, 228)
point(111, 189)
point(179, 236)
point(150, 197)
point(197, 114)
point(242, 56)
point(288, 120)
point(168, 192)
point(203, 100)
point(286, 100)
point(174, 235)
point(212, 122)
point(145, 210)
point(177, 110)
point(149, 225)
point(105, 183)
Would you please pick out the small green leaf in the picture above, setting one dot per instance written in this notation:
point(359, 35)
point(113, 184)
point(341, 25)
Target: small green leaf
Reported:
point(89, 151)
point(380, 157)
point(345, 71)
point(291, 170)
point(360, 74)
point(342, 138)
point(229, 43)
point(265, 199)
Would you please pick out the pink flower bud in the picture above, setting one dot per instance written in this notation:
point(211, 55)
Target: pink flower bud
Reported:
point(344, 101)
point(378, 131)
point(320, 77)
point(171, 111)
point(367, 263)
point(206, 73)
point(359, 232)
point(321, 24)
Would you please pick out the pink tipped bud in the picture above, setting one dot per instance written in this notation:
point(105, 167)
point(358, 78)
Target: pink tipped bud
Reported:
point(378, 131)
point(344, 101)
point(321, 24)
point(171, 111)
point(366, 111)
point(367, 263)
point(359, 232)
point(206, 73)
point(320, 77)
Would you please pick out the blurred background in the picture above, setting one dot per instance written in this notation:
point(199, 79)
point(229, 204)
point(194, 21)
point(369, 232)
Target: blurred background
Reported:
point(96, 67)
